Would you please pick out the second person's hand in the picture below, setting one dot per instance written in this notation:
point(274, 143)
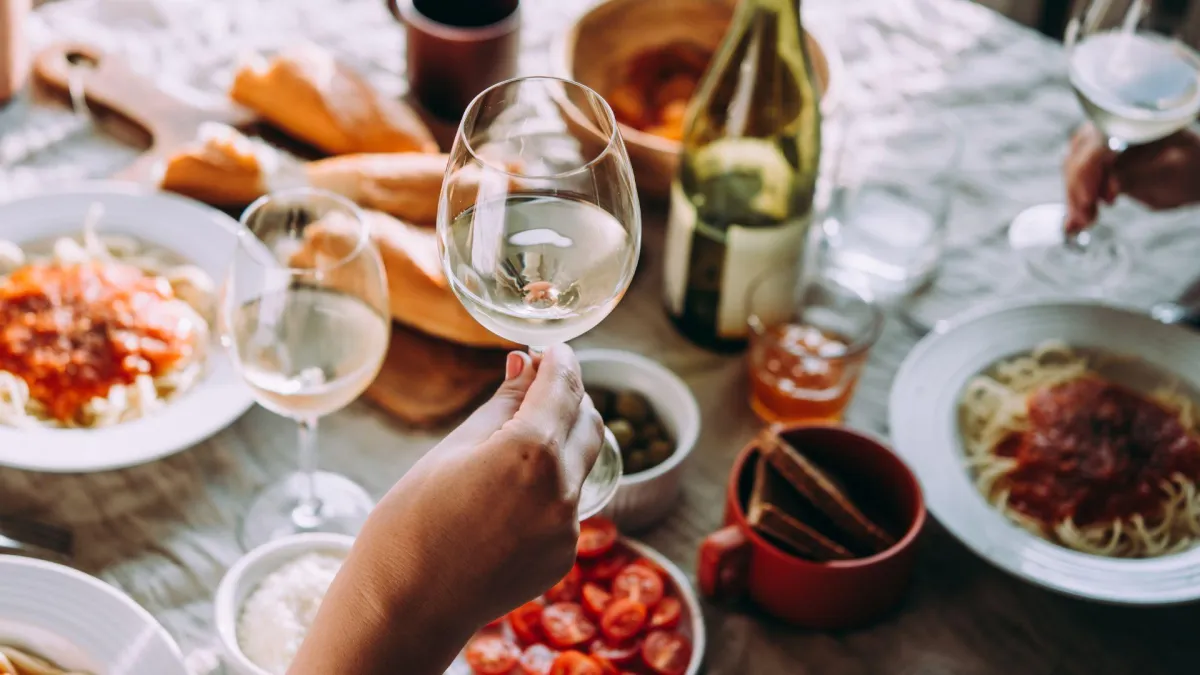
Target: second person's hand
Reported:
point(1161, 175)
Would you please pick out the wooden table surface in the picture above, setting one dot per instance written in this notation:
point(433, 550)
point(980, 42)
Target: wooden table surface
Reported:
point(164, 532)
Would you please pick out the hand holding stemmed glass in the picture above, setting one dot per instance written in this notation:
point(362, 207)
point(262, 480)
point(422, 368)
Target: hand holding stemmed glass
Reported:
point(305, 318)
point(539, 225)
point(1138, 82)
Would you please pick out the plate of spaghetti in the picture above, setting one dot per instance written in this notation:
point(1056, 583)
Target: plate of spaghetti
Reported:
point(108, 352)
point(1061, 442)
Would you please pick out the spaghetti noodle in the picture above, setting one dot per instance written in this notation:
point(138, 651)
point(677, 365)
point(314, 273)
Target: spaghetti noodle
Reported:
point(97, 331)
point(1084, 462)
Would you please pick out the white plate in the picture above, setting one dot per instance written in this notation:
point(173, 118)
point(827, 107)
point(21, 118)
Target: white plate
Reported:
point(924, 429)
point(81, 622)
point(203, 236)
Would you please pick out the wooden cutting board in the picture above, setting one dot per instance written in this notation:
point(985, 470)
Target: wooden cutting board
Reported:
point(425, 381)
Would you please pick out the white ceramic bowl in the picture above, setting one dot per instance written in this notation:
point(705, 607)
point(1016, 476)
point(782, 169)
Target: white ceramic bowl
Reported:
point(646, 497)
point(247, 573)
point(80, 622)
point(924, 427)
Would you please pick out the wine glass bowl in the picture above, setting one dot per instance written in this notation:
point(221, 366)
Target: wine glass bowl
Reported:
point(304, 316)
point(540, 236)
point(539, 226)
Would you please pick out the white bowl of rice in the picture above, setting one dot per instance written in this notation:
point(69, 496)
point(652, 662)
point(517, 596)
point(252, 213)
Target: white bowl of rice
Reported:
point(267, 600)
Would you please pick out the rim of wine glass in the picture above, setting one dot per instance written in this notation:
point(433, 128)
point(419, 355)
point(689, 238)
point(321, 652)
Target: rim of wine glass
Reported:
point(613, 136)
point(256, 249)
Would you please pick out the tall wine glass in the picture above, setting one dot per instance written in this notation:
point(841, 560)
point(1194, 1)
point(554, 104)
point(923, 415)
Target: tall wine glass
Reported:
point(1138, 82)
point(305, 317)
point(539, 225)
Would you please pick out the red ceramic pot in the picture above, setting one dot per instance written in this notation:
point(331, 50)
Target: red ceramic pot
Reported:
point(737, 561)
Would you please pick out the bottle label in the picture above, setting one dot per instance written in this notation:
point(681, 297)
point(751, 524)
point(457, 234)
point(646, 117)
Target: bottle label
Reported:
point(708, 273)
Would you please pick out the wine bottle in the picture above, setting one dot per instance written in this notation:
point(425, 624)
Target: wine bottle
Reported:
point(741, 203)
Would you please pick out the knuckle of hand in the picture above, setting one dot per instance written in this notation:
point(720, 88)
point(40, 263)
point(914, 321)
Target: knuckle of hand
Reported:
point(573, 383)
point(539, 463)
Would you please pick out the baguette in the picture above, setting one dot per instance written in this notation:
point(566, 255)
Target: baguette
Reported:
point(221, 167)
point(419, 293)
point(307, 93)
point(406, 185)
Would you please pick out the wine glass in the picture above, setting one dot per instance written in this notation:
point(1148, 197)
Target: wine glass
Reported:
point(1138, 82)
point(305, 319)
point(539, 226)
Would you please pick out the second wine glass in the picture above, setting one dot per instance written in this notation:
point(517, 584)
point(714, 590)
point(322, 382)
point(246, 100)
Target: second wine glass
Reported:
point(539, 225)
point(305, 318)
point(1138, 82)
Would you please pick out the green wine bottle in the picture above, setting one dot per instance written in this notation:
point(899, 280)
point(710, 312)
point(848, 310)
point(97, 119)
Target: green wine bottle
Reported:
point(741, 203)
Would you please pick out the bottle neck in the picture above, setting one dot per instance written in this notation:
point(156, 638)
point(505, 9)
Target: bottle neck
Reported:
point(784, 10)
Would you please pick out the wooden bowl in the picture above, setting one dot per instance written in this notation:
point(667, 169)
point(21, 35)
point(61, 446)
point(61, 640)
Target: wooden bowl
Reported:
point(596, 49)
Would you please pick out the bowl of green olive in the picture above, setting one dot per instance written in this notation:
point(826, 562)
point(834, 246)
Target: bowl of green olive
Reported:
point(654, 418)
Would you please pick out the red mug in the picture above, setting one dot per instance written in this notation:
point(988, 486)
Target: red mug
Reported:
point(457, 49)
point(737, 561)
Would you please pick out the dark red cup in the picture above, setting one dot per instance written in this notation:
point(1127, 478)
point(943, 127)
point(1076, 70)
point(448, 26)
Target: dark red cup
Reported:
point(458, 52)
point(737, 561)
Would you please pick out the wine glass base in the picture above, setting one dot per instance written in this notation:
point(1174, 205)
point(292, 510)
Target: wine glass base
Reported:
point(602, 482)
point(280, 510)
point(1037, 234)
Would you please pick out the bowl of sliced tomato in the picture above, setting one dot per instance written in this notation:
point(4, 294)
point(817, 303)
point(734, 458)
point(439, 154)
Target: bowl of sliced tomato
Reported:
point(623, 609)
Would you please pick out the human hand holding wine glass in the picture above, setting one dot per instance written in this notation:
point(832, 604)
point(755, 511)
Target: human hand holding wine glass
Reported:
point(1138, 83)
point(305, 315)
point(539, 225)
point(1161, 175)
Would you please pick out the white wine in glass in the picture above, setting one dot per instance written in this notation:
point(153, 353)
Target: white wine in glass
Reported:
point(305, 315)
point(539, 225)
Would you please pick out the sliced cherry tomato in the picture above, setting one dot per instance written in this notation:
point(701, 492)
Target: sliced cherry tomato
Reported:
point(623, 619)
point(666, 614)
point(537, 659)
point(596, 537)
point(605, 568)
point(492, 655)
point(526, 622)
point(666, 653)
point(606, 666)
point(566, 590)
point(621, 656)
point(575, 663)
point(638, 582)
point(566, 626)
point(595, 598)
point(495, 623)
point(649, 564)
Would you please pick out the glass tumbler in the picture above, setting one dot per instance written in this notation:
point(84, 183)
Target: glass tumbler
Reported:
point(889, 195)
point(805, 361)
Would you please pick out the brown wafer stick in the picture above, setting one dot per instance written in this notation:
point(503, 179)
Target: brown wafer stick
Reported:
point(767, 496)
point(824, 493)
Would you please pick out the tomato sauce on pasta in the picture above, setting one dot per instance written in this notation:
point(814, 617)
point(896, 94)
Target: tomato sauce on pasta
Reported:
point(73, 331)
point(1094, 452)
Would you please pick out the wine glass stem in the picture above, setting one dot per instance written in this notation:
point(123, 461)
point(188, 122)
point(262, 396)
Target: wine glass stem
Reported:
point(307, 512)
point(1078, 242)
